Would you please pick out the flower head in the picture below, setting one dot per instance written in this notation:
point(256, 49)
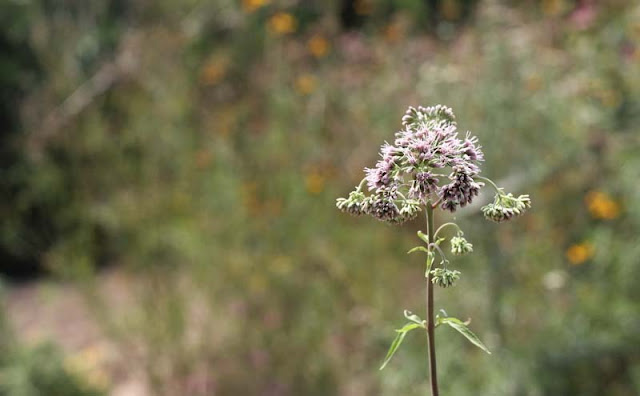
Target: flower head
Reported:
point(444, 277)
point(460, 246)
point(355, 205)
point(283, 23)
point(428, 164)
point(506, 206)
point(318, 46)
point(413, 164)
point(580, 252)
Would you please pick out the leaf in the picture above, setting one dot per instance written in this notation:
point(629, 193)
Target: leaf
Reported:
point(423, 236)
point(398, 340)
point(462, 328)
point(409, 326)
point(414, 318)
point(418, 249)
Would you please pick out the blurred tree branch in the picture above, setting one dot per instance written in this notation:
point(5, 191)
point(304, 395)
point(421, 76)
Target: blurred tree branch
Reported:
point(124, 66)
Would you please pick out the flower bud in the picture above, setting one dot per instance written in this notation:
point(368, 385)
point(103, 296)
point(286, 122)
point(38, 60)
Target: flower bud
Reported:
point(460, 246)
point(505, 207)
point(444, 277)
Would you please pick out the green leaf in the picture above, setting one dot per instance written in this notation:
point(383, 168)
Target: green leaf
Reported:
point(414, 318)
point(423, 236)
point(398, 340)
point(418, 249)
point(409, 326)
point(462, 328)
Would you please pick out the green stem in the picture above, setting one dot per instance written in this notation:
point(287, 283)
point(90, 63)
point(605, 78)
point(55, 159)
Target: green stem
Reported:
point(361, 184)
point(430, 316)
point(498, 189)
point(442, 256)
point(445, 225)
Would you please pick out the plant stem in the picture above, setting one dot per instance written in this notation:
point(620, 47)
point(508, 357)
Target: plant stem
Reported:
point(430, 318)
point(498, 189)
point(443, 226)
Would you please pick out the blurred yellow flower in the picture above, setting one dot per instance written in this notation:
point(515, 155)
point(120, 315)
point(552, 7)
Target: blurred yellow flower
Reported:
point(283, 23)
point(318, 46)
point(579, 253)
point(214, 70)
point(305, 84)
point(251, 5)
point(601, 206)
point(315, 182)
point(392, 32)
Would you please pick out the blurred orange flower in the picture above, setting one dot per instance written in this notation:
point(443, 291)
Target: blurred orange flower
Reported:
point(283, 23)
point(580, 252)
point(601, 206)
point(315, 182)
point(251, 5)
point(392, 32)
point(214, 70)
point(305, 84)
point(318, 46)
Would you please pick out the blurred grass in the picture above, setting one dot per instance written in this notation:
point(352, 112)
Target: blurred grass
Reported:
point(209, 168)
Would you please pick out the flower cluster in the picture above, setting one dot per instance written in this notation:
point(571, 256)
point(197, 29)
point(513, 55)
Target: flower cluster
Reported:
point(505, 206)
point(460, 246)
point(409, 171)
point(444, 277)
point(355, 205)
point(384, 205)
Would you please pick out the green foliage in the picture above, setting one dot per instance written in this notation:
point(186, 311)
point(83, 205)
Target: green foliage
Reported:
point(35, 370)
point(398, 340)
point(418, 249)
point(461, 327)
point(415, 323)
point(39, 371)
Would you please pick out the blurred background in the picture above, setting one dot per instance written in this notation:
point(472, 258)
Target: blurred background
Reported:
point(169, 171)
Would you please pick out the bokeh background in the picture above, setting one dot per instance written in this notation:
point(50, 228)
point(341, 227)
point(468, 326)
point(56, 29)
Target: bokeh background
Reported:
point(169, 171)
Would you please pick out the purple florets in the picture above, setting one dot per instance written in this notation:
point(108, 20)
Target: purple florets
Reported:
point(424, 183)
point(460, 192)
point(427, 146)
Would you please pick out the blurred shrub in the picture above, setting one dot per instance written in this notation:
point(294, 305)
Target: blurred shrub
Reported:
point(37, 370)
point(34, 371)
